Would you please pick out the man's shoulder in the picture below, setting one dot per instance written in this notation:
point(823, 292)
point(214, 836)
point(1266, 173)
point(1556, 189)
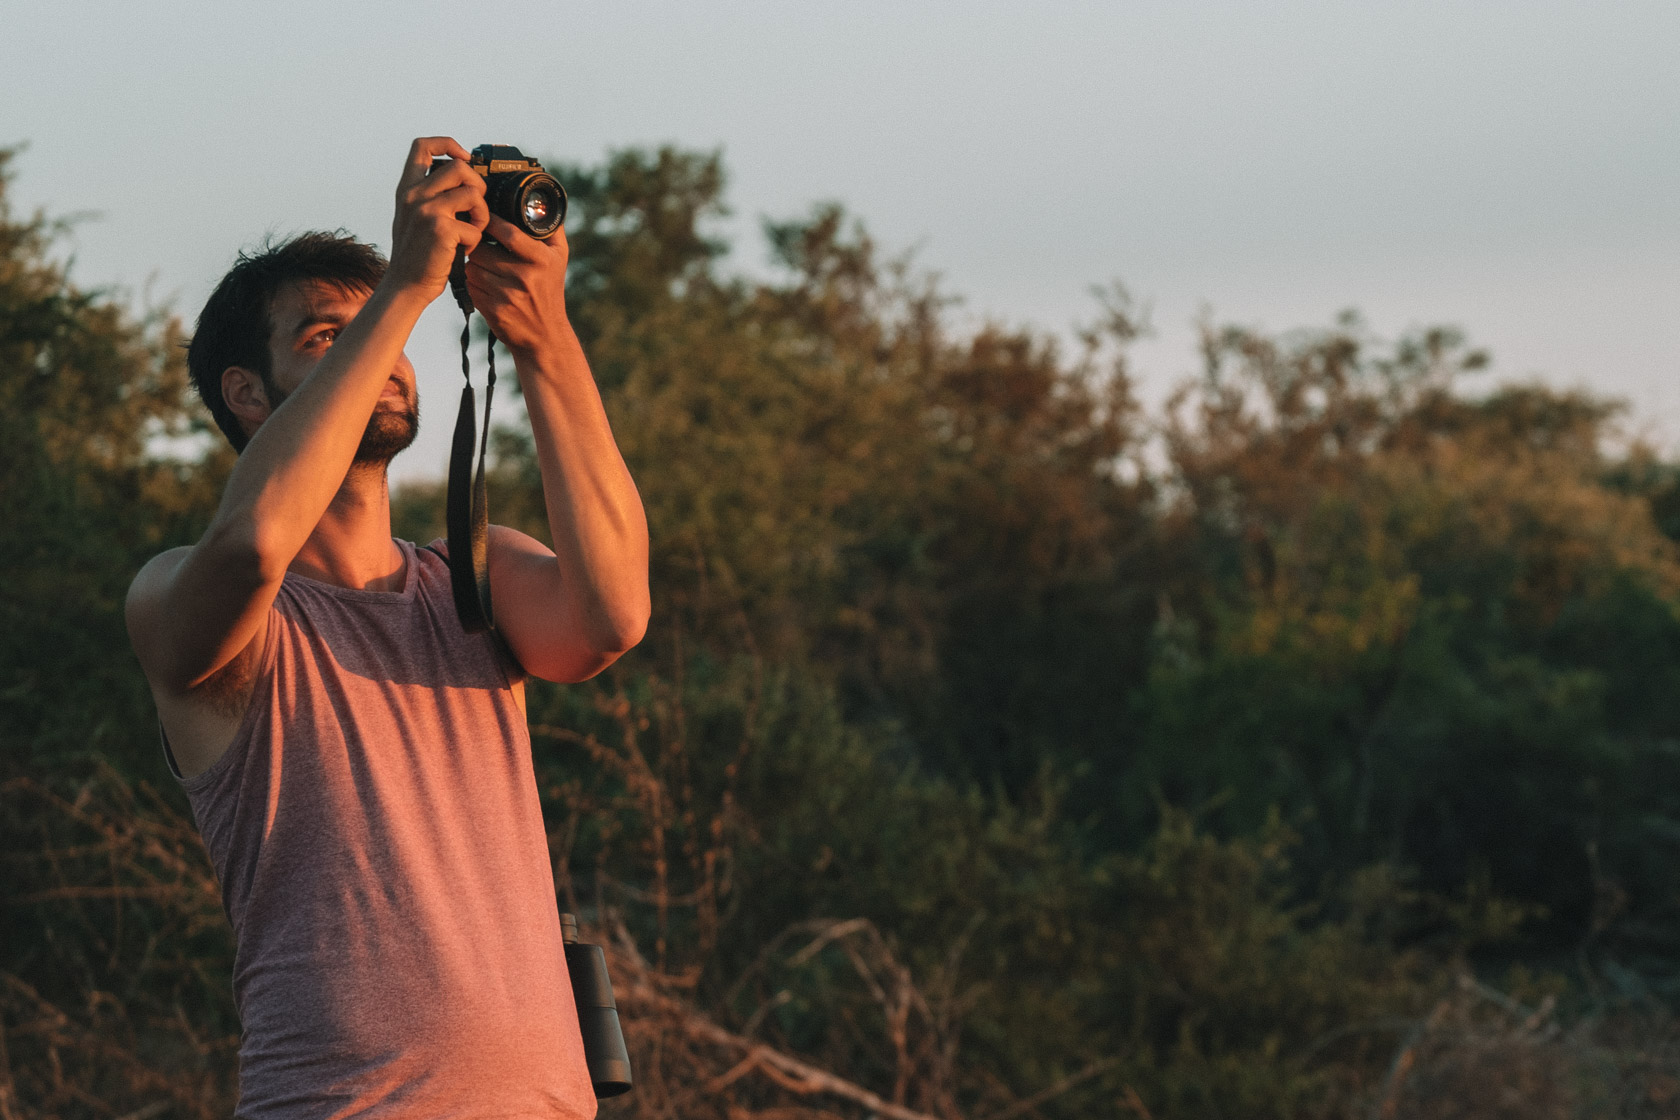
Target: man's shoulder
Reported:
point(158, 567)
point(146, 591)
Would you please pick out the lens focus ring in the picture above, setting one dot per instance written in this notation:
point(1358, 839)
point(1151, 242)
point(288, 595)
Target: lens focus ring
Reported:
point(542, 205)
point(536, 202)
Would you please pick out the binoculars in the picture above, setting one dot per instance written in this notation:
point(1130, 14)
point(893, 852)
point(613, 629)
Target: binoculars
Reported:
point(603, 1038)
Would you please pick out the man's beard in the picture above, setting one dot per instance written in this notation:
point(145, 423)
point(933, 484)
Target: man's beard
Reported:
point(389, 431)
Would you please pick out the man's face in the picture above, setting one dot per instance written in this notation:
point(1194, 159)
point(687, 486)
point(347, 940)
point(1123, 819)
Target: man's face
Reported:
point(307, 317)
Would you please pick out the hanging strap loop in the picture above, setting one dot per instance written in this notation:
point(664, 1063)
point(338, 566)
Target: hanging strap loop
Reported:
point(468, 509)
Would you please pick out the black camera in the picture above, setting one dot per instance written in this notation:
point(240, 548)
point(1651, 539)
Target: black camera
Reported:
point(518, 190)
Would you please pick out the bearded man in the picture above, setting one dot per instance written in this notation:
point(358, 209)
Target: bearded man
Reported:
point(358, 764)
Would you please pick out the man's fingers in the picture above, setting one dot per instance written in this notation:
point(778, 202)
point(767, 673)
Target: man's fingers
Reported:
point(427, 148)
point(460, 199)
point(516, 241)
point(446, 175)
point(477, 211)
point(423, 151)
point(494, 259)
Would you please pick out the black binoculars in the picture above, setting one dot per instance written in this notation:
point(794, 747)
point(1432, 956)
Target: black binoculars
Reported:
point(603, 1038)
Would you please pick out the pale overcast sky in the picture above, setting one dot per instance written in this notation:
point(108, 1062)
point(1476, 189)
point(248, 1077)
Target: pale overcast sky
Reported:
point(1512, 168)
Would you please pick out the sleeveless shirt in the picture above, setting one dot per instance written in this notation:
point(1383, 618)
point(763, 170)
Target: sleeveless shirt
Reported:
point(376, 832)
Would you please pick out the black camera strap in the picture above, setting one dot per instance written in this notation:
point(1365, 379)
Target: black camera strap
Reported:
point(467, 511)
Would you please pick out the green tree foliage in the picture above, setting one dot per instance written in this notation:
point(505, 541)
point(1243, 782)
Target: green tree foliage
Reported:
point(1423, 625)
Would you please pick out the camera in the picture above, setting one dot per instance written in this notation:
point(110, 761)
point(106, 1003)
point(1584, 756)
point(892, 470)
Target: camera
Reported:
point(518, 190)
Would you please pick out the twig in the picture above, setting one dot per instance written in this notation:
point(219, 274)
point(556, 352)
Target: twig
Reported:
point(1022, 1107)
point(832, 933)
point(1135, 1103)
point(156, 1108)
point(789, 1072)
point(1404, 1059)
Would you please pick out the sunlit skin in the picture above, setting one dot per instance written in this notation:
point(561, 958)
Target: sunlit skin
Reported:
point(298, 501)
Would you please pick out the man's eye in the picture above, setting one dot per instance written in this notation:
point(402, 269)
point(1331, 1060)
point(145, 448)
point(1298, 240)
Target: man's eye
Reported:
point(324, 338)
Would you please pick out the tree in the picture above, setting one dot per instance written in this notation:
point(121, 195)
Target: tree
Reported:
point(112, 919)
point(1428, 627)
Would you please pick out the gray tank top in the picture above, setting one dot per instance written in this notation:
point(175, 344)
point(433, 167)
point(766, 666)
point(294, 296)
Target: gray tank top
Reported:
point(376, 832)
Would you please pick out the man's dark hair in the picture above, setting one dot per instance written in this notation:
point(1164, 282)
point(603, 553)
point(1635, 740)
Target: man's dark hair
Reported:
point(235, 325)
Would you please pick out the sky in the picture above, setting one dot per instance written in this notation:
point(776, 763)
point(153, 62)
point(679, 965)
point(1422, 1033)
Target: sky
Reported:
point(1509, 168)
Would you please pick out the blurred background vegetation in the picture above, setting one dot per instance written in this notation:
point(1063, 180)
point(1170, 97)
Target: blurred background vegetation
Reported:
point(1308, 748)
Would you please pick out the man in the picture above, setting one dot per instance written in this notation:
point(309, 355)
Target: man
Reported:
point(359, 766)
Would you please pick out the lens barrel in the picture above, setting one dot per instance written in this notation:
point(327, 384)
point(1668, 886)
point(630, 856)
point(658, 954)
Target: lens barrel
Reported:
point(535, 202)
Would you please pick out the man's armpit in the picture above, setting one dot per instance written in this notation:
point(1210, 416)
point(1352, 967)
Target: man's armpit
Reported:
point(227, 691)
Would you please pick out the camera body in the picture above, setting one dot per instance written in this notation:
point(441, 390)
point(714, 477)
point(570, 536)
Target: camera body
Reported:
point(518, 190)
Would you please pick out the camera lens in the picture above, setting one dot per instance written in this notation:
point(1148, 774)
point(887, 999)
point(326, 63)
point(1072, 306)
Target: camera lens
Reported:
point(542, 205)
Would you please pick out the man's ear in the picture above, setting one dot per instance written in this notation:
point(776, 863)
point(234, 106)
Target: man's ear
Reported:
point(247, 396)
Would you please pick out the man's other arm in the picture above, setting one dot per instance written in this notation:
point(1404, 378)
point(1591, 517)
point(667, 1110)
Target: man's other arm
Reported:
point(570, 612)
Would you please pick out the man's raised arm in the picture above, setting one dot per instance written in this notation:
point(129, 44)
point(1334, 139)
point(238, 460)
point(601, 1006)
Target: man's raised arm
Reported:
point(192, 611)
point(569, 613)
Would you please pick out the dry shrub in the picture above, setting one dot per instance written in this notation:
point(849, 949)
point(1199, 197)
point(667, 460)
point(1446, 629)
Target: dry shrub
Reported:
point(652, 812)
point(1481, 1055)
point(689, 1065)
point(115, 1000)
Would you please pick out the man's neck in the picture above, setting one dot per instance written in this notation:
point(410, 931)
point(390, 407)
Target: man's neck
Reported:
point(351, 545)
